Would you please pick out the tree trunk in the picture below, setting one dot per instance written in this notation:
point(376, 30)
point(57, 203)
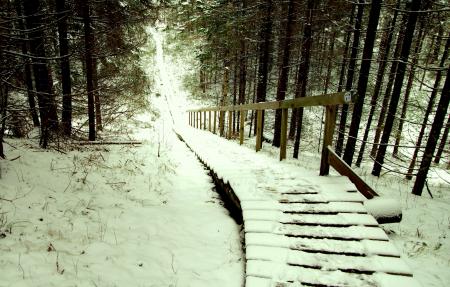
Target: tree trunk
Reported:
point(345, 53)
point(363, 79)
point(3, 106)
point(385, 46)
point(441, 148)
point(303, 72)
point(387, 94)
point(223, 99)
point(439, 118)
point(88, 44)
point(43, 83)
point(350, 74)
point(27, 68)
point(97, 102)
point(284, 71)
point(411, 78)
point(264, 55)
point(242, 65)
point(61, 16)
point(406, 47)
point(428, 110)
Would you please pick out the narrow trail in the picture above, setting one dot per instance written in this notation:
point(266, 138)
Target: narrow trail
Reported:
point(209, 252)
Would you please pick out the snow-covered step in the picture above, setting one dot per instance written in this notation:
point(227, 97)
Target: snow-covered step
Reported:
point(328, 207)
point(322, 197)
point(280, 272)
point(365, 247)
point(339, 219)
point(293, 230)
point(358, 264)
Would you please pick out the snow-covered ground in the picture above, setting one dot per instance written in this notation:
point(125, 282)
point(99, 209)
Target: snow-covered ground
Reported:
point(124, 216)
point(144, 215)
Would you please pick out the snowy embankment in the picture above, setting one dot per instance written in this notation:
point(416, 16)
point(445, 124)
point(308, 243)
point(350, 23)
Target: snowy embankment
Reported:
point(142, 215)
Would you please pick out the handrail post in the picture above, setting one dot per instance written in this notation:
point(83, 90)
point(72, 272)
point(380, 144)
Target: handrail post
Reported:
point(230, 124)
point(198, 120)
point(241, 126)
point(259, 119)
point(200, 125)
point(215, 121)
point(204, 120)
point(283, 136)
point(221, 123)
point(330, 122)
point(209, 120)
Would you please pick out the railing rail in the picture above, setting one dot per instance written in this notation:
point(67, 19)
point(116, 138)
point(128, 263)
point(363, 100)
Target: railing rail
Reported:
point(198, 118)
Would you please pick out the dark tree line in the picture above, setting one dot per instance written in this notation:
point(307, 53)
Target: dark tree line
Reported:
point(391, 53)
point(66, 65)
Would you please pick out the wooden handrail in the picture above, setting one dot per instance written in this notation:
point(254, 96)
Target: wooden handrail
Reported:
point(322, 100)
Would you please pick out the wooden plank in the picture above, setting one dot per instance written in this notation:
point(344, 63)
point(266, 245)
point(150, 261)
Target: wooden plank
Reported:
point(321, 197)
point(242, 115)
point(330, 121)
point(259, 124)
point(209, 121)
point(338, 219)
point(344, 233)
point(221, 123)
point(204, 120)
point(351, 247)
point(344, 169)
point(316, 277)
point(230, 125)
point(283, 136)
point(215, 124)
point(346, 263)
point(329, 207)
point(321, 100)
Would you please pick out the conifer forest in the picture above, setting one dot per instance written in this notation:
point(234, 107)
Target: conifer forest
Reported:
point(96, 95)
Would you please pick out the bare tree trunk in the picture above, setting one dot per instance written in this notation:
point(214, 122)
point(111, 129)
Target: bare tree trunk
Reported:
point(363, 79)
point(441, 148)
point(434, 136)
point(385, 47)
point(412, 73)
point(61, 16)
point(406, 47)
point(284, 71)
point(43, 83)
point(428, 110)
point(88, 44)
point(303, 72)
point(97, 102)
point(350, 74)
point(3, 106)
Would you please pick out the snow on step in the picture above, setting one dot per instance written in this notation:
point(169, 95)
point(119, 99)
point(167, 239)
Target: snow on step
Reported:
point(391, 265)
point(293, 230)
point(279, 273)
point(328, 207)
point(364, 247)
point(322, 197)
point(343, 219)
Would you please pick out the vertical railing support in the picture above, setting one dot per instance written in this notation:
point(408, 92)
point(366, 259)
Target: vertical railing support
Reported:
point(241, 126)
point(283, 136)
point(215, 121)
point(330, 122)
point(204, 120)
point(221, 123)
point(209, 121)
point(259, 124)
point(230, 124)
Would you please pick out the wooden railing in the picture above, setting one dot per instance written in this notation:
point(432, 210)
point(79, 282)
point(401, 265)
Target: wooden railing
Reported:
point(197, 119)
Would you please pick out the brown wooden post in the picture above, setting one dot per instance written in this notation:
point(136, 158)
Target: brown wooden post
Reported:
point(201, 119)
point(283, 136)
point(259, 118)
point(204, 120)
point(222, 123)
point(230, 124)
point(215, 123)
point(330, 122)
point(194, 119)
point(198, 120)
point(242, 115)
point(209, 121)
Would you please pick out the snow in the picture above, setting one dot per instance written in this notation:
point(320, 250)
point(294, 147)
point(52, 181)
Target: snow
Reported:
point(115, 215)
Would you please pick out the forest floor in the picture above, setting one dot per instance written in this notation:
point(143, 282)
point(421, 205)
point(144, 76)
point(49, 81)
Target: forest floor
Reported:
point(147, 215)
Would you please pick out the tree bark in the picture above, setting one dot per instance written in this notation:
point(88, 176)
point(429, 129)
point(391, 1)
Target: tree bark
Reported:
point(406, 47)
point(88, 44)
point(363, 79)
point(303, 72)
point(61, 16)
point(433, 137)
point(350, 74)
point(284, 71)
point(428, 110)
point(441, 148)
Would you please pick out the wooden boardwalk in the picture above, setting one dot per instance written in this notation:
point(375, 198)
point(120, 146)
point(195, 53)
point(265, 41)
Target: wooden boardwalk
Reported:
point(301, 229)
